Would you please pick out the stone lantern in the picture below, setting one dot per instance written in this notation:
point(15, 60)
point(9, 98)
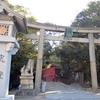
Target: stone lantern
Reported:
point(10, 23)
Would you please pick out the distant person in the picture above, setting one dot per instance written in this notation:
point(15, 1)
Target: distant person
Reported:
point(87, 84)
point(76, 78)
point(16, 85)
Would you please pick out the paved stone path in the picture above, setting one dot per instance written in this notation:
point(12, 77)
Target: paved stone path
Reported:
point(60, 91)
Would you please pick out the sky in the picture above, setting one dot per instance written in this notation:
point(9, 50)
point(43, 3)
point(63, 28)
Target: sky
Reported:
point(59, 12)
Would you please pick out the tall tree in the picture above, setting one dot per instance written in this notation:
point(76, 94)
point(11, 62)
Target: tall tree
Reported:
point(89, 17)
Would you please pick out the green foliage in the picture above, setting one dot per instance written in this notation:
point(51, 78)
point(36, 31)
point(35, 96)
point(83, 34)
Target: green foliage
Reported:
point(11, 6)
point(32, 31)
point(31, 18)
point(47, 51)
point(50, 54)
point(73, 55)
point(89, 17)
point(23, 11)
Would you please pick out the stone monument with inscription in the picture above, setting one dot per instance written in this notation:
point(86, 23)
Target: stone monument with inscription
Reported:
point(10, 24)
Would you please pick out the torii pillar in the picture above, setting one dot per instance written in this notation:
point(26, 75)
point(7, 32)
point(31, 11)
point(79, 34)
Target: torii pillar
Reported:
point(39, 60)
point(92, 62)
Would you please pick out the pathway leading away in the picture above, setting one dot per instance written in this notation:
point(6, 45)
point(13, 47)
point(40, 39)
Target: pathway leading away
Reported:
point(60, 91)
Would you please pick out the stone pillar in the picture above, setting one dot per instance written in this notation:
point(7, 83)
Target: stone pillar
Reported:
point(93, 62)
point(6, 51)
point(10, 23)
point(8, 47)
point(39, 60)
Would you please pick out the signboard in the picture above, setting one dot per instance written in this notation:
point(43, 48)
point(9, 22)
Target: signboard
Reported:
point(68, 33)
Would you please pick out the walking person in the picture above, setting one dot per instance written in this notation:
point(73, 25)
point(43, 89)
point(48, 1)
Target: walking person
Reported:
point(76, 78)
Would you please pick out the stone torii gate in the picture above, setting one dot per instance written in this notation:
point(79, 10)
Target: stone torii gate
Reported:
point(43, 27)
